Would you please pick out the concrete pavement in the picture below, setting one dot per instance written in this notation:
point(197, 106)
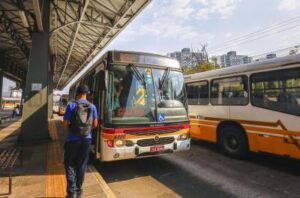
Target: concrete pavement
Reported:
point(42, 174)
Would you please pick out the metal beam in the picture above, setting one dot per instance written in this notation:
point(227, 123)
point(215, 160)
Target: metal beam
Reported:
point(21, 7)
point(127, 7)
point(38, 15)
point(15, 36)
point(14, 71)
point(73, 41)
point(95, 24)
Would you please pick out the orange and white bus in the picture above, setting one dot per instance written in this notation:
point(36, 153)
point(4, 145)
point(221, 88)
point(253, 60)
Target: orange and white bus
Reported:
point(10, 103)
point(142, 105)
point(253, 107)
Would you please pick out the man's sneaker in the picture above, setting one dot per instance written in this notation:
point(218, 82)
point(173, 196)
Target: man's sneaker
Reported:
point(79, 194)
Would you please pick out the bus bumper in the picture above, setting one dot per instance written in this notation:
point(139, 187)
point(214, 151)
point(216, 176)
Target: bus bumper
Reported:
point(135, 151)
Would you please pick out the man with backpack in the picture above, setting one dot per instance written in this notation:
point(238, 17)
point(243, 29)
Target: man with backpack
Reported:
point(80, 118)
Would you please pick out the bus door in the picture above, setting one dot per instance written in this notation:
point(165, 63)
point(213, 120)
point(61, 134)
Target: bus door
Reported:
point(99, 89)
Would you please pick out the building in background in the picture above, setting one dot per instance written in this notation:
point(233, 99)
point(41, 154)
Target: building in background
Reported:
point(188, 58)
point(232, 59)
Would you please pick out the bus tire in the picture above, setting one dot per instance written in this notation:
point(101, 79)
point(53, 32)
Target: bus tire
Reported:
point(233, 142)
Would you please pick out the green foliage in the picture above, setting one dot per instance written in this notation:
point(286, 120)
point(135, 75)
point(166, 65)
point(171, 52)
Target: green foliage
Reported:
point(199, 68)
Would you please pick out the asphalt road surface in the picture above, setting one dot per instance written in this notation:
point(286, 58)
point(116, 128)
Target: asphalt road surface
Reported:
point(203, 172)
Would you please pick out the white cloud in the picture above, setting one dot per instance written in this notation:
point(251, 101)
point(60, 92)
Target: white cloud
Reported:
point(166, 29)
point(174, 20)
point(288, 5)
point(228, 35)
point(176, 9)
point(223, 8)
point(171, 21)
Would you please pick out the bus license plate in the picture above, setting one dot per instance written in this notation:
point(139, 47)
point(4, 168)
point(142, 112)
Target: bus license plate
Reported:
point(157, 148)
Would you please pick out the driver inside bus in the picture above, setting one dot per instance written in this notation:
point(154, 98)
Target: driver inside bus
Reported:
point(118, 89)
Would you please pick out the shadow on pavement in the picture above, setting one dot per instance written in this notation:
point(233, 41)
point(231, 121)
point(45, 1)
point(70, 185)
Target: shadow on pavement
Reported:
point(172, 176)
point(278, 163)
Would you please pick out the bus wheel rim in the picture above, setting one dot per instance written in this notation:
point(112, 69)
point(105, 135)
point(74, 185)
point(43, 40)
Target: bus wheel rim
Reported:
point(232, 143)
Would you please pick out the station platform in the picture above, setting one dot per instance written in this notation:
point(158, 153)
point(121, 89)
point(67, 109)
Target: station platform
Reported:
point(42, 173)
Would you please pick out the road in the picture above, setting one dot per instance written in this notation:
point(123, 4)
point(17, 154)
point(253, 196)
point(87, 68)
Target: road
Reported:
point(203, 172)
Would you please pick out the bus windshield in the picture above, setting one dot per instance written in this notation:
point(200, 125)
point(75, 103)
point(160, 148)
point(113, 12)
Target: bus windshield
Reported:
point(136, 95)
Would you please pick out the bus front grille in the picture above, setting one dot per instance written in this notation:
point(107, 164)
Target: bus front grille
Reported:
point(152, 142)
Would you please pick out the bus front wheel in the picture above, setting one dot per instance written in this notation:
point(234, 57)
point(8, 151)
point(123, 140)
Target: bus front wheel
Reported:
point(233, 142)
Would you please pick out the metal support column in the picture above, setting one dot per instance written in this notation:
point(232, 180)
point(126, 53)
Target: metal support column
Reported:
point(50, 92)
point(1, 77)
point(1, 86)
point(35, 110)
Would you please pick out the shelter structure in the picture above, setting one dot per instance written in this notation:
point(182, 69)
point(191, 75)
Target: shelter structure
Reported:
point(44, 44)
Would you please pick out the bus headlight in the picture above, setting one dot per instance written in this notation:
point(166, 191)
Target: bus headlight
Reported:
point(119, 143)
point(184, 136)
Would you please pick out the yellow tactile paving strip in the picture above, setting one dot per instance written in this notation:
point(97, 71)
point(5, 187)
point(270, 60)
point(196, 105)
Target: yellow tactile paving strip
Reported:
point(56, 180)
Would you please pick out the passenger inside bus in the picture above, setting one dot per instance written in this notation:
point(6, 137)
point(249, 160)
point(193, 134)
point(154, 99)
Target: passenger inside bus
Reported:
point(125, 95)
point(285, 97)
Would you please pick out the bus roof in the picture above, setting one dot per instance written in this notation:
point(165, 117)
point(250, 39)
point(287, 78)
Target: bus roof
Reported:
point(256, 66)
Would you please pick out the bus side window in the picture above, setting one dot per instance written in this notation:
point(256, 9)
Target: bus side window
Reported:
point(280, 88)
point(197, 93)
point(230, 91)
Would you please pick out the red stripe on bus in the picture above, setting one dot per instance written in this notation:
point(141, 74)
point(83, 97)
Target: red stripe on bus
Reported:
point(121, 130)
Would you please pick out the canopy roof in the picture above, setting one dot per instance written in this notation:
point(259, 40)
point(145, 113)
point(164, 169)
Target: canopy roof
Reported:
point(79, 29)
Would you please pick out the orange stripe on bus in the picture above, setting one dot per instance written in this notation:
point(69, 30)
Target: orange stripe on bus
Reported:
point(271, 124)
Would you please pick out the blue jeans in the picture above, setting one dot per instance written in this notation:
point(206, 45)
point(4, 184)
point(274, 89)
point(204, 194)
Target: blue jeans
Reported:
point(75, 159)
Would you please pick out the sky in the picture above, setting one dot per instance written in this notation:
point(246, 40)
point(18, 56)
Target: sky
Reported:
point(7, 84)
point(170, 25)
point(250, 27)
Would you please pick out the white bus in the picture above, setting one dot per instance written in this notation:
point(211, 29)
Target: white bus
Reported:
point(253, 107)
point(142, 103)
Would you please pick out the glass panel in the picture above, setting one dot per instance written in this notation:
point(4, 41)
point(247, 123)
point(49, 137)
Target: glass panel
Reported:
point(130, 100)
point(170, 95)
point(277, 90)
point(197, 93)
point(134, 95)
point(230, 91)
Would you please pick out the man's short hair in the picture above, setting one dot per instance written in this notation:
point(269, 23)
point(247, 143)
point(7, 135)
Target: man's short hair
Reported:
point(82, 89)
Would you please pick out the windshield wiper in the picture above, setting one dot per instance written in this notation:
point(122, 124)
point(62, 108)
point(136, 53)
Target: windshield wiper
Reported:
point(164, 77)
point(138, 74)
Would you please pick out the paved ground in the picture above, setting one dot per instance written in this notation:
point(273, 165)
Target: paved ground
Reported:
point(42, 173)
point(203, 172)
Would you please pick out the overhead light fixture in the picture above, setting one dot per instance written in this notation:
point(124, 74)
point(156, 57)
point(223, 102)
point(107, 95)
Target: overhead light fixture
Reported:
point(23, 18)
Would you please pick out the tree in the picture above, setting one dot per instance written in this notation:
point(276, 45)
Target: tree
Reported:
point(206, 66)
